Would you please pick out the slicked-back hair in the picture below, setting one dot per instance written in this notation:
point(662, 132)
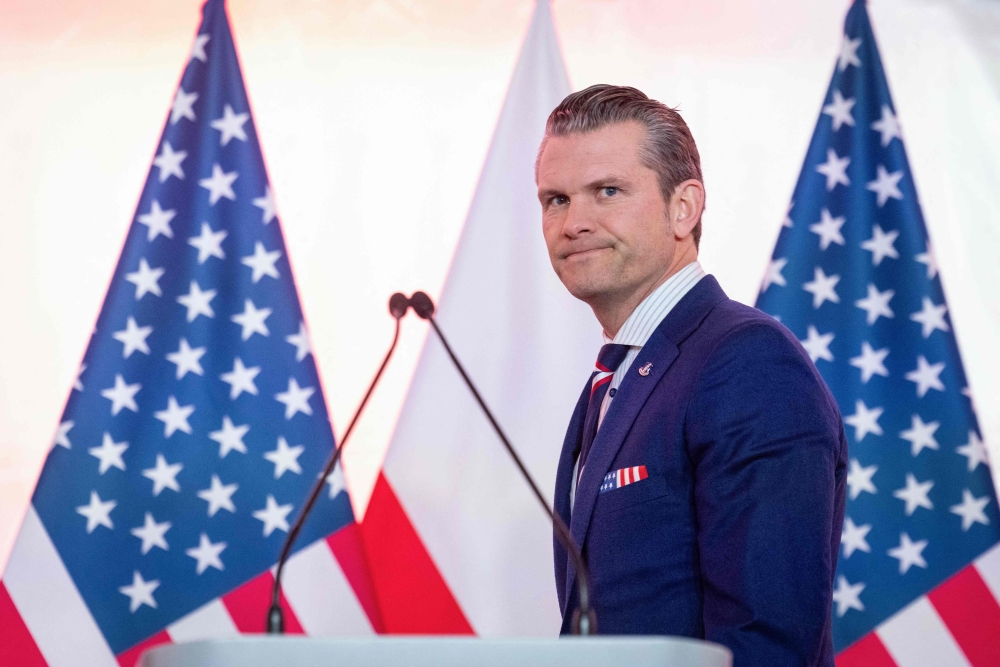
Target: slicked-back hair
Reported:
point(669, 149)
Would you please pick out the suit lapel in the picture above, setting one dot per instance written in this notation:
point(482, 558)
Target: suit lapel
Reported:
point(659, 352)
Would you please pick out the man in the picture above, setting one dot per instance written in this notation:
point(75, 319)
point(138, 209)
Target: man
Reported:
point(703, 471)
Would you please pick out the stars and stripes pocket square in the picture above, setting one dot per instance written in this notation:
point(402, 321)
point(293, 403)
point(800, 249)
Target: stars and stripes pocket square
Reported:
point(616, 479)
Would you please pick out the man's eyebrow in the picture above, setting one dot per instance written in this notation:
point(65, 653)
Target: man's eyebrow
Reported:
point(549, 192)
point(606, 181)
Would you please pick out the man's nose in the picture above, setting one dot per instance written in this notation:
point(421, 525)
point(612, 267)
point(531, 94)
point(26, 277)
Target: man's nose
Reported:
point(578, 221)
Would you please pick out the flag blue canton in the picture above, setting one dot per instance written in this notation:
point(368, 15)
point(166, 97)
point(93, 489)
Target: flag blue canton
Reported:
point(853, 275)
point(197, 424)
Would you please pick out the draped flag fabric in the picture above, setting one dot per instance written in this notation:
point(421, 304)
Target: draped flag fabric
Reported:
point(853, 275)
point(197, 423)
point(455, 539)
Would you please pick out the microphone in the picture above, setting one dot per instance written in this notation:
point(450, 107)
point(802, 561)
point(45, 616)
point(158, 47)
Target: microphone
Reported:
point(398, 305)
point(584, 620)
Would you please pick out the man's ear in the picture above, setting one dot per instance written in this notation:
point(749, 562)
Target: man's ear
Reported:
point(686, 206)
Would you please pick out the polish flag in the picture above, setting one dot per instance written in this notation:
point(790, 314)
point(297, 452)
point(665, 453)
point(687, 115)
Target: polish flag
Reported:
point(456, 541)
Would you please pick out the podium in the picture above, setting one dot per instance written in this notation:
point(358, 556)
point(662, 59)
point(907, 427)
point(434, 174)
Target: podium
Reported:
point(436, 651)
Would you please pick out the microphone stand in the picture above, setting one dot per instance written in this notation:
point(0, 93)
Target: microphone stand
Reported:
point(398, 305)
point(584, 620)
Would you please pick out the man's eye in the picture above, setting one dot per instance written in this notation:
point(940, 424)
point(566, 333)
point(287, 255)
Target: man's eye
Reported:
point(560, 200)
point(610, 191)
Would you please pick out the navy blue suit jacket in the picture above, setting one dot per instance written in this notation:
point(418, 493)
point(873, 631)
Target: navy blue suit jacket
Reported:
point(734, 535)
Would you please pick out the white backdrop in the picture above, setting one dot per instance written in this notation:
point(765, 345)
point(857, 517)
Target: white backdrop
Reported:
point(375, 116)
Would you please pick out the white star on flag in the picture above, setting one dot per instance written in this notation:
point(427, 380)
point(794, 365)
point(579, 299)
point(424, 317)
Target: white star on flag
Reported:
point(164, 475)
point(157, 221)
point(301, 342)
point(230, 437)
point(909, 553)
point(853, 537)
point(219, 496)
point(285, 458)
point(78, 384)
point(188, 359)
point(920, 435)
point(773, 275)
point(133, 337)
point(152, 534)
point(208, 243)
point(183, 106)
point(122, 395)
point(262, 262)
point(175, 417)
point(240, 379)
point(885, 185)
point(219, 185)
point(146, 280)
point(887, 126)
point(296, 399)
point(817, 345)
point(169, 162)
point(252, 320)
point(336, 481)
point(848, 596)
point(197, 302)
point(864, 420)
point(930, 317)
point(140, 592)
point(881, 245)
point(971, 510)
point(207, 554)
point(198, 48)
point(835, 169)
point(62, 438)
point(849, 53)
point(839, 111)
point(928, 259)
point(231, 125)
point(860, 479)
point(871, 362)
point(822, 287)
point(267, 205)
point(98, 512)
point(274, 516)
point(787, 222)
point(925, 375)
point(828, 229)
point(876, 304)
point(914, 494)
point(974, 451)
point(109, 454)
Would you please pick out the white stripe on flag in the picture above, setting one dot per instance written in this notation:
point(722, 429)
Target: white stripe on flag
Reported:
point(916, 637)
point(988, 566)
point(320, 595)
point(209, 621)
point(49, 602)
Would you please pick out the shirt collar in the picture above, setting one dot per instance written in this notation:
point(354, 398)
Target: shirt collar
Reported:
point(643, 321)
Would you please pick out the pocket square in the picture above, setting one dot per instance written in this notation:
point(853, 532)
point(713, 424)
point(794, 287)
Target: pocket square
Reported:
point(616, 479)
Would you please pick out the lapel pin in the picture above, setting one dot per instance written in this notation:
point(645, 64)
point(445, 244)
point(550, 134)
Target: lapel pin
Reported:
point(644, 371)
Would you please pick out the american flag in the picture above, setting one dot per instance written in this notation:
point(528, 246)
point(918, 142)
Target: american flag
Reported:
point(853, 275)
point(197, 423)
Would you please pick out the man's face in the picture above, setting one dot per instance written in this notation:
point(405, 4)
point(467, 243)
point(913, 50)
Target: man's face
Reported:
point(604, 219)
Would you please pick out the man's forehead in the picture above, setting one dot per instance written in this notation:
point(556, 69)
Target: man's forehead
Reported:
point(585, 156)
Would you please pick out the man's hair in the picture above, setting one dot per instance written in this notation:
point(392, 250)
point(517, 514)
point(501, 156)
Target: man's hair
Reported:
point(669, 149)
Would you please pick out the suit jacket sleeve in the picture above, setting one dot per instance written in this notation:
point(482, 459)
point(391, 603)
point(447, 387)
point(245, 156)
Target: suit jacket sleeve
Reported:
point(766, 444)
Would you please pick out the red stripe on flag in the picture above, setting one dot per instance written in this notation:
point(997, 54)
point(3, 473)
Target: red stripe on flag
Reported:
point(412, 595)
point(349, 550)
point(869, 651)
point(972, 615)
point(248, 605)
point(130, 658)
point(17, 646)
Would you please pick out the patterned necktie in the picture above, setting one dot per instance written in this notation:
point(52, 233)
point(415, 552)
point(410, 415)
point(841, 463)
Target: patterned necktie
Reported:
point(608, 360)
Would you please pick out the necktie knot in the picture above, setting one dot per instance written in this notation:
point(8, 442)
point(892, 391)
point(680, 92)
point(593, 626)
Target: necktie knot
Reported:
point(611, 357)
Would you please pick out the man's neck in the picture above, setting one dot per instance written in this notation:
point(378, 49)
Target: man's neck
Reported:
point(613, 314)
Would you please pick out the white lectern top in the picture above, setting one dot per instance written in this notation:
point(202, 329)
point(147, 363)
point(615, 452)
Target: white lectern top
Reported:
point(601, 651)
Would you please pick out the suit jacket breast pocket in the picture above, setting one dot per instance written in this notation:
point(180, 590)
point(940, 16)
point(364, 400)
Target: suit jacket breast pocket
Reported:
point(651, 488)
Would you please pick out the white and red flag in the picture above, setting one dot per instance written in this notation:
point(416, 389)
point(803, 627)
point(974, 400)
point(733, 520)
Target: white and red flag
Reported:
point(456, 542)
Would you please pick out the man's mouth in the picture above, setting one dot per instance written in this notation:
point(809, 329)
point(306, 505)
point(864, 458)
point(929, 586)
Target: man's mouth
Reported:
point(581, 254)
